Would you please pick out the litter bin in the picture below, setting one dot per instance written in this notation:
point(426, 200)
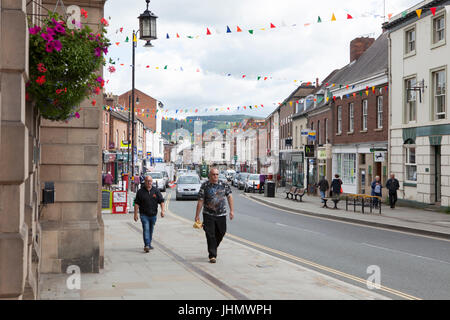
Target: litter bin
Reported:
point(269, 189)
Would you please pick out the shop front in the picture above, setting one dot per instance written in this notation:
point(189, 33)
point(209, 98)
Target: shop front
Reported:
point(292, 171)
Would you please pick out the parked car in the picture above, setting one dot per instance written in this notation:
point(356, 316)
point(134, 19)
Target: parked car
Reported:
point(223, 178)
point(188, 186)
point(251, 181)
point(234, 181)
point(241, 182)
point(158, 180)
point(166, 178)
point(180, 172)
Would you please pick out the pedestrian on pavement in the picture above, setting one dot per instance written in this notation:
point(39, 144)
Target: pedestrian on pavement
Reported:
point(108, 180)
point(323, 188)
point(262, 180)
point(392, 185)
point(376, 191)
point(137, 182)
point(146, 202)
point(211, 198)
point(336, 186)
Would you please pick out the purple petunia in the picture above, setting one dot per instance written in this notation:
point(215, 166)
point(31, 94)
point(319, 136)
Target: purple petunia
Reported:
point(98, 52)
point(99, 79)
point(35, 30)
point(51, 32)
point(105, 50)
point(57, 45)
point(60, 29)
point(47, 37)
point(50, 46)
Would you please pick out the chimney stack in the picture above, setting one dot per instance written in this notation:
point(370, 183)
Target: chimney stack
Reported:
point(317, 82)
point(358, 46)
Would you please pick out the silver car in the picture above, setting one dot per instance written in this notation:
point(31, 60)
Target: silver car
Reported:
point(241, 180)
point(223, 178)
point(158, 180)
point(188, 187)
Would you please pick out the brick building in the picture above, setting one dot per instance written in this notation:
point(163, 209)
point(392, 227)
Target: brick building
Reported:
point(359, 101)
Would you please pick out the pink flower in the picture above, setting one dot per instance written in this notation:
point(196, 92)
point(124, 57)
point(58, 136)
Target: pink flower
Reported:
point(46, 37)
point(51, 32)
point(59, 28)
point(98, 52)
point(57, 45)
point(35, 30)
point(50, 46)
point(84, 13)
point(77, 115)
point(97, 90)
point(104, 22)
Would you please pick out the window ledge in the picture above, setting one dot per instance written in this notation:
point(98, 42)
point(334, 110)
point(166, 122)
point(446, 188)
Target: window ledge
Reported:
point(410, 184)
point(409, 55)
point(438, 44)
point(378, 129)
point(339, 134)
point(350, 132)
point(363, 131)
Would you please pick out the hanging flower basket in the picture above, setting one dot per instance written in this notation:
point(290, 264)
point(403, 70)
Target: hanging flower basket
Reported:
point(63, 67)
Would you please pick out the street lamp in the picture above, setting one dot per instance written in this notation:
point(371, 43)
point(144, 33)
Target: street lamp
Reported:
point(147, 29)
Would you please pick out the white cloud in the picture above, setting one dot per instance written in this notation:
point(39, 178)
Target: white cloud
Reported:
point(291, 53)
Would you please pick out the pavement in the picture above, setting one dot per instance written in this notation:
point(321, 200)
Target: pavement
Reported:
point(406, 219)
point(178, 269)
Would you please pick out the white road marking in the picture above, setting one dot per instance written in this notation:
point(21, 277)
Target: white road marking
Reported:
point(403, 252)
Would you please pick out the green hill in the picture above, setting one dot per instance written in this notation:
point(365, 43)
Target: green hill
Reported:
point(209, 122)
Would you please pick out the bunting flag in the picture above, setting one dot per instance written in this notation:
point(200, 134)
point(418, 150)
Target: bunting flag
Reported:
point(167, 37)
point(433, 11)
point(419, 12)
point(208, 32)
point(272, 26)
point(228, 29)
point(250, 31)
point(238, 29)
point(333, 17)
point(319, 20)
point(134, 38)
point(349, 17)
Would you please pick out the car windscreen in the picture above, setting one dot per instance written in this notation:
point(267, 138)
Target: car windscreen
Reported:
point(188, 180)
point(244, 176)
point(254, 177)
point(221, 176)
point(156, 175)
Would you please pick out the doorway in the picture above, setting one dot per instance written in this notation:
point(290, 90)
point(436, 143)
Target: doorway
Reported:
point(437, 174)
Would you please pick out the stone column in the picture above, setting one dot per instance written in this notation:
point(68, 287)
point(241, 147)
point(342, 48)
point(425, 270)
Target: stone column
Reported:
point(72, 227)
point(14, 146)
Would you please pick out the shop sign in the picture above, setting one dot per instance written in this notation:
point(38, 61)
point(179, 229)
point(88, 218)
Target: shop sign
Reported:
point(109, 157)
point(305, 133)
point(379, 156)
point(309, 151)
point(321, 154)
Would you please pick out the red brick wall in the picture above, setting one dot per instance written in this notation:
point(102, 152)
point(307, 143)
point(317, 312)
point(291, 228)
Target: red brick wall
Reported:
point(121, 126)
point(373, 134)
point(358, 46)
point(145, 102)
point(320, 136)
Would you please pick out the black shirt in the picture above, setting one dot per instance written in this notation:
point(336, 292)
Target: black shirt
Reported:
point(148, 201)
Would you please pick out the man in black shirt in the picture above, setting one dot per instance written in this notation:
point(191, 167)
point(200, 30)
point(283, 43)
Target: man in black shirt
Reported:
point(392, 185)
point(147, 200)
point(211, 198)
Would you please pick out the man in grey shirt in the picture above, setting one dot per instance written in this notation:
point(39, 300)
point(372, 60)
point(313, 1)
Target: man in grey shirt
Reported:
point(211, 198)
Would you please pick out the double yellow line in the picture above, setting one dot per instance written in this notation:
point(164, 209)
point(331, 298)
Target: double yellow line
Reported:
point(306, 262)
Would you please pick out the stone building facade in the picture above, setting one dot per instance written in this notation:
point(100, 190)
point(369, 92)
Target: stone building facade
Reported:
point(37, 239)
point(419, 117)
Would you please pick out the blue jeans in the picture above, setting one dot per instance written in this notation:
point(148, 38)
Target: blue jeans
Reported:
point(322, 195)
point(148, 224)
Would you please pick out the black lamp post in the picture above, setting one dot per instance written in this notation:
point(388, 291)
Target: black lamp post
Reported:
point(147, 29)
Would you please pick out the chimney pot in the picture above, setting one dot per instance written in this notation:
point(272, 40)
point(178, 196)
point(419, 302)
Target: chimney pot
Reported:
point(358, 46)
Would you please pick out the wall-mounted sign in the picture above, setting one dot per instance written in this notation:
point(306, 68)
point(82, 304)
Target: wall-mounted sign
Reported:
point(379, 156)
point(309, 151)
point(305, 133)
point(321, 154)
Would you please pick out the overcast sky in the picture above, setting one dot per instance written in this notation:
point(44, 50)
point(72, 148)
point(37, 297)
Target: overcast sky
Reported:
point(285, 54)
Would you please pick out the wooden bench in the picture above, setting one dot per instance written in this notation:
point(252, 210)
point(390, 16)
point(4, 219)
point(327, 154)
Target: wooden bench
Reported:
point(290, 193)
point(299, 193)
point(361, 200)
point(335, 200)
